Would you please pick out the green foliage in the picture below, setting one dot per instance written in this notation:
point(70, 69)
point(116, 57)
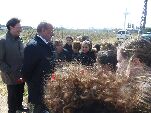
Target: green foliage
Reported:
point(27, 34)
point(96, 35)
point(2, 32)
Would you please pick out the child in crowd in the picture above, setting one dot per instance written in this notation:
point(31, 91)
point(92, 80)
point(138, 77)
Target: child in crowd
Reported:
point(85, 38)
point(68, 45)
point(97, 46)
point(76, 46)
point(62, 54)
point(87, 56)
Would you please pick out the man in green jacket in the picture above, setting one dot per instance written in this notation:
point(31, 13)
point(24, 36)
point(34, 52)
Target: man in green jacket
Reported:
point(11, 59)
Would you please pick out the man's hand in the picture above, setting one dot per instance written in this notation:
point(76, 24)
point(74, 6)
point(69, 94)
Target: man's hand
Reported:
point(20, 81)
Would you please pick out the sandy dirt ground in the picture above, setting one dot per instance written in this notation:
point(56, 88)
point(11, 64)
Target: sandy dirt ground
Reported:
point(3, 98)
point(3, 104)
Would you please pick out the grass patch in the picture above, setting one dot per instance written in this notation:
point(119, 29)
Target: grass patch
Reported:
point(3, 90)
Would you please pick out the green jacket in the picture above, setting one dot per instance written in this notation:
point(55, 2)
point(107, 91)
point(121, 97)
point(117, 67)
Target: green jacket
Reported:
point(11, 58)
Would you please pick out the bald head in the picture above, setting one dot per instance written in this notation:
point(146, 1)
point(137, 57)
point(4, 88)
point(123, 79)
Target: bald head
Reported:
point(43, 26)
point(45, 30)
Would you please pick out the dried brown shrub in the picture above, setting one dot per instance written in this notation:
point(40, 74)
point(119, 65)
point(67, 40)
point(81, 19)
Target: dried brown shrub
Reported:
point(78, 89)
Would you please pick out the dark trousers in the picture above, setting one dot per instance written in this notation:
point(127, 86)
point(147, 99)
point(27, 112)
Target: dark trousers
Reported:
point(40, 109)
point(15, 97)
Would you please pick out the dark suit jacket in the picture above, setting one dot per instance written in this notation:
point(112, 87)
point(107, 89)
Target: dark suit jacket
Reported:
point(38, 65)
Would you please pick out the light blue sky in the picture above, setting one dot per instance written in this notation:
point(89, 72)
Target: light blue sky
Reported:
point(75, 13)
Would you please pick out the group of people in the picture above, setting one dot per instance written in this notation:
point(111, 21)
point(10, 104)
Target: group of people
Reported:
point(31, 64)
point(35, 62)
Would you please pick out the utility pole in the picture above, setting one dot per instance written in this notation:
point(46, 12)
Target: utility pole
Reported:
point(125, 15)
point(143, 18)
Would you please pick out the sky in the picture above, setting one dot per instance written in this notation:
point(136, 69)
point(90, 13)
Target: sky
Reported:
point(75, 13)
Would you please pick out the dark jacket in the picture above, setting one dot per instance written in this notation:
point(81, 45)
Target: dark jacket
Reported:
point(76, 56)
point(88, 59)
point(11, 58)
point(63, 56)
point(37, 67)
point(69, 49)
